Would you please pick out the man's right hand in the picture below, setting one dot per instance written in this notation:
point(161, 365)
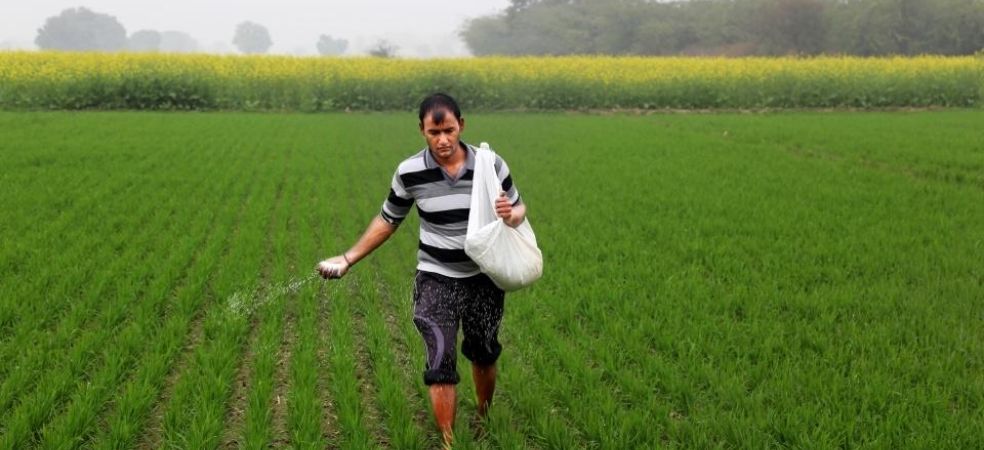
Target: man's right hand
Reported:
point(332, 268)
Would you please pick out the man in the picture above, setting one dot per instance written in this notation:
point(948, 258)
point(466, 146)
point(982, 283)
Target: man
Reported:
point(449, 288)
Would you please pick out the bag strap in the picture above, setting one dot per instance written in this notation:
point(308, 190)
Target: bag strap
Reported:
point(484, 147)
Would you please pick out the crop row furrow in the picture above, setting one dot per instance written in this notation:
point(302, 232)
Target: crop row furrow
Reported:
point(330, 431)
point(249, 419)
point(76, 423)
point(398, 408)
point(286, 251)
point(64, 277)
point(122, 331)
point(150, 330)
point(254, 414)
point(195, 413)
point(325, 232)
point(305, 413)
point(348, 368)
point(117, 286)
point(261, 363)
point(59, 274)
point(128, 418)
point(344, 379)
point(80, 300)
point(397, 424)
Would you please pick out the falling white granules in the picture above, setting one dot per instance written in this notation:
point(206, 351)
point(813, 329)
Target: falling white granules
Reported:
point(245, 302)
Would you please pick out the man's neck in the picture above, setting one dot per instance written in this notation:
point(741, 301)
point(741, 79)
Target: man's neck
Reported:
point(452, 161)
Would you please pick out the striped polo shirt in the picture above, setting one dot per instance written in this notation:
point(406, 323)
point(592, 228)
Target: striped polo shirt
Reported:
point(443, 202)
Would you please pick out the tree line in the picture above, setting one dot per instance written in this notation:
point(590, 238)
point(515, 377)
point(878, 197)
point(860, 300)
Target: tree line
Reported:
point(730, 27)
point(81, 29)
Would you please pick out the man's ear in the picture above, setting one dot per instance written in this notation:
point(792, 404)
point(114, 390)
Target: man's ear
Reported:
point(461, 124)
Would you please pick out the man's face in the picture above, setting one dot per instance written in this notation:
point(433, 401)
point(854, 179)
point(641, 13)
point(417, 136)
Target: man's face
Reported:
point(442, 132)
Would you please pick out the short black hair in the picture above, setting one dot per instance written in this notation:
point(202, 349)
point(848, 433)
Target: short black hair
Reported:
point(437, 104)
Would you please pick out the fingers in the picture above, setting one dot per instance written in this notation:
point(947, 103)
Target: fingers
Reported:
point(502, 207)
point(329, 274)
point(504, 213)
point(502, 202)
point(331, 269)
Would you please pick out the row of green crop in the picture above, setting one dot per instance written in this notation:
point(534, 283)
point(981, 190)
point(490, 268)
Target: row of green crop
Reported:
point(753, 296)
point(775, 280)
point(78, 362)
point(142, 346)
point(208, 82)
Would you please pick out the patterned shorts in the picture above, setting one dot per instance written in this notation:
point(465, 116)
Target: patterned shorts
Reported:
point(440, 303)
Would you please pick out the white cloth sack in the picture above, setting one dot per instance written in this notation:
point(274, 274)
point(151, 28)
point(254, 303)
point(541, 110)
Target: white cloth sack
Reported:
point(509, 256)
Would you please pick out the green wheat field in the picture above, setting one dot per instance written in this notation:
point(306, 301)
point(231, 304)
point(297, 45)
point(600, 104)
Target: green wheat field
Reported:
point(797, 279)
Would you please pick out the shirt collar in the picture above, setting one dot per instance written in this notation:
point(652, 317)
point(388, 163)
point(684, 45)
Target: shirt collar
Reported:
point(431, 163)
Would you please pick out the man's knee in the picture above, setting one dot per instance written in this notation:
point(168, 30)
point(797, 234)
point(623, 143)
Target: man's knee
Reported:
point(482, 353)
point(440, 376)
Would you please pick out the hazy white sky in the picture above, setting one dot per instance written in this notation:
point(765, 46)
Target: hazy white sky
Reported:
point(417, 27)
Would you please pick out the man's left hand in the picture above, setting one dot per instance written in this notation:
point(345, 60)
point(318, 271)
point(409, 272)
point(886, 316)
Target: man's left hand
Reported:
point(503, 208)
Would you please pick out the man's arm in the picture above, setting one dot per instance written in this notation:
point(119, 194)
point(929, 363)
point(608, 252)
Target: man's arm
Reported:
point(378, 231)
point(511, 215)
point(508, 206)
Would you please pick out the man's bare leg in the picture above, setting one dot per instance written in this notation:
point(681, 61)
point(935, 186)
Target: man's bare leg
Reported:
point(484, 386)
point(443, 399)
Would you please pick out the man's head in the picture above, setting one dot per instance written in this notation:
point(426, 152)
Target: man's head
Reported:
point(441, 124)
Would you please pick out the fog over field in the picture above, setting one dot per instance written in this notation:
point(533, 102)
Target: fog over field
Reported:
point(431, 28)
point(421, 28)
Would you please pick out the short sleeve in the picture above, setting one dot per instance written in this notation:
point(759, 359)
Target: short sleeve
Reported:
point(505, 179)
point(398, 202)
